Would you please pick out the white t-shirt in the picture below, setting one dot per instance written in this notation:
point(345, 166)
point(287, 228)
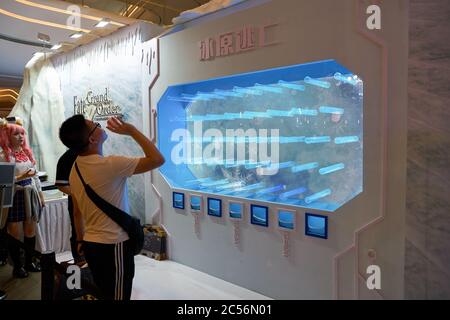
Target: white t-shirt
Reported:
point(108, 177)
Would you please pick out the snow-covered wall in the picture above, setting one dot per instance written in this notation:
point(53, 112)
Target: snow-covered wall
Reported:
point(40, 105)
point(100, 79)
point(103, 79)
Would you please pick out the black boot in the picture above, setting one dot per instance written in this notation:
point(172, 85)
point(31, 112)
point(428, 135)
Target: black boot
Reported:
point(30, 265)
point(3, 248)
point(14, 252)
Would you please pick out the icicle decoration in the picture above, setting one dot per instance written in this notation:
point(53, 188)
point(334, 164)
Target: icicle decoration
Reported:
point(197, 224)
point(285, 244)
point(125, 42)
point(237, 233)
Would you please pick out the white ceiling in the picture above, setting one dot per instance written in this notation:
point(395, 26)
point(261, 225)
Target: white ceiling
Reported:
point(158, 11)
point(14, 56)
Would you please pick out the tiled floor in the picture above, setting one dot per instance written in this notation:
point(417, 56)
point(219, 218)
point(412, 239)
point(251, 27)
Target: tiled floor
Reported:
point(172, 281)
point(154, 280)
point(20, 289)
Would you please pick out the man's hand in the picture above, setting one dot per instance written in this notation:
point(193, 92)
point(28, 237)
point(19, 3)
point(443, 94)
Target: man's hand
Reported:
point(153, 158)
point(80, 248)
point(118, 126)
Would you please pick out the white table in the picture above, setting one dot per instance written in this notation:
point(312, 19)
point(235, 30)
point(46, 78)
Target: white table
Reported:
point(54, 229)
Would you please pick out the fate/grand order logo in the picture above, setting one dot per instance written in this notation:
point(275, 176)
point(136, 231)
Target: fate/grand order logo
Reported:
point(96, 106)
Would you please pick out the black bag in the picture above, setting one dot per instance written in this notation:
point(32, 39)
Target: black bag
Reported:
point(88, 286)
point(130, 224)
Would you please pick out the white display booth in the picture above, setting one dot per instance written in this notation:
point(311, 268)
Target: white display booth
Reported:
point(137, 71)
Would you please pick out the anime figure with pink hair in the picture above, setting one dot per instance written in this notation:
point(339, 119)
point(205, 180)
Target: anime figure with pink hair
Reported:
point(28, 197)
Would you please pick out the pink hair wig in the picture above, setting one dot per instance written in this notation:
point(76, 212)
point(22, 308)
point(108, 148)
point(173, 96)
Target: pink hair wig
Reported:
point(5, 141)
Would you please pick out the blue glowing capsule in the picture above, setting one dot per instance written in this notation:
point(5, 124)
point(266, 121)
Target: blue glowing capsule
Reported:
point(313, 140)
point(304, 167)
point(247, 91)
point(228, 93)
point(292, 86)
point(284, 165)
point(342, 140)
point(268, 88)
point(317, 196)
point(279, 113)
point(346, 78)
point(331, 110)
point(330, 169)
point(270, 190)
point(291, 193)
point(317, 83)
point(306, 112)
point(257, 114)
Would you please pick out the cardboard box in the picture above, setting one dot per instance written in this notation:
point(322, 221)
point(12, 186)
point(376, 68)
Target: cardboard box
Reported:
point(154, 242)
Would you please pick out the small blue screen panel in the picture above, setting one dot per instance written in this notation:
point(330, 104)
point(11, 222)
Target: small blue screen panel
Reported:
point(196, 203)
point(178, 200)
point(286, 219)
point(214, 207)
point(316, 225)
point(259, 215)
point(235, 210)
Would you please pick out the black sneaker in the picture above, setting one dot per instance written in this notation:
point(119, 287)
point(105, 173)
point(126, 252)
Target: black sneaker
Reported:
point(3, 295)
point(20, 272)
point(33, 267)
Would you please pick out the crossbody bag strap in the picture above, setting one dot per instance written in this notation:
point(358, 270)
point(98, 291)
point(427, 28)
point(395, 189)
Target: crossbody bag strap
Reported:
point(79, 175)
point(119, 216)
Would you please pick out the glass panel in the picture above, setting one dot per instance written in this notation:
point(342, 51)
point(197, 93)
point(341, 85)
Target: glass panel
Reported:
point(291, 135)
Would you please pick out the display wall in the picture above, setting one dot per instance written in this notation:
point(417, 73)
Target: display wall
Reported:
point(245, 240)
point(100, 80)
point(103, 79)
point(40, 99)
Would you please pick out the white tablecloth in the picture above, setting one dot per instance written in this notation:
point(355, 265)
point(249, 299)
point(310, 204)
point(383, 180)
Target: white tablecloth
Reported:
point(54, 229)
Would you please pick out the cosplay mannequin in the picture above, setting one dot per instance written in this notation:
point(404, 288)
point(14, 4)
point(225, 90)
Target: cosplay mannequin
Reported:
point(28, 196)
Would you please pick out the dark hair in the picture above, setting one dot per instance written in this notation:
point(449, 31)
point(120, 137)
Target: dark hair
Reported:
point(73, 133)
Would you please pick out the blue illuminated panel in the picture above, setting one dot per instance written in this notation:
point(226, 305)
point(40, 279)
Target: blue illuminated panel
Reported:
point(214, 207)
point(196, 203)
point(236, 210)
point(178, 200)
point(291, 135)
point(259, 215)
point(316, 225)
point(286, 220)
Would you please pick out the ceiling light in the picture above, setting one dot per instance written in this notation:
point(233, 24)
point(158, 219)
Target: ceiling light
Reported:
point(8, 96)
point(43, 37)
point(76, 35)
point(102, 23)
point(9, 91)
point(56, 46)
point(68, 12)
point(41, 22)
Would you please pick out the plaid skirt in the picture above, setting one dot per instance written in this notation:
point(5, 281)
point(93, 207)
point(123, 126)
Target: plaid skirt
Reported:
point(17, 211)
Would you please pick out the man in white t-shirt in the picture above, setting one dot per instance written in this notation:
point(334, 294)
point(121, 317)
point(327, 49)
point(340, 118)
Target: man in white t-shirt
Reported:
point(105, 244)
